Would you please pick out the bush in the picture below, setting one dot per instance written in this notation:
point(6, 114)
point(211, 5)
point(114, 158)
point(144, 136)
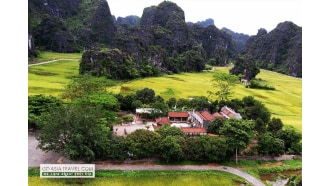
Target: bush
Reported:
point(208, 67)
point(256, 84)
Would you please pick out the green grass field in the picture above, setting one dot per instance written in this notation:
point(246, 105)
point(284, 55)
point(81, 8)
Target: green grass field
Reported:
point(146, 178)
point(284, 103)
point(47, 56)
point(51, 78)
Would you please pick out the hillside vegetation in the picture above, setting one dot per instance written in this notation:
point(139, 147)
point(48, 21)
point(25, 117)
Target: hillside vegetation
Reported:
point(285, 102)
point(278, 50)
point(160, 41)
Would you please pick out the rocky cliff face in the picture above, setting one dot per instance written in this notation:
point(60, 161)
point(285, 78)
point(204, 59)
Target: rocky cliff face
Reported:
point(239, 39)
point(169, 25)
point(163, 35)
point(279, 50)
point(70, 26)
point(128, 21)
point(206, 23)
point(160, 39)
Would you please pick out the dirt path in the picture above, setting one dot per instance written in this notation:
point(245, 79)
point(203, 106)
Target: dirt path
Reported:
point(50, 61)
point(37, 157)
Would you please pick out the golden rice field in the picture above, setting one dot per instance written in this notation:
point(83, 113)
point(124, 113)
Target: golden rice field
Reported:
point(284, 103)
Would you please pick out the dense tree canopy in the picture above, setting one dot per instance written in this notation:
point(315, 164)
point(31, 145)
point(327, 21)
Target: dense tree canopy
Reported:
point(142, 143)
point(171, 102)
point(270, 145)
point(254, 109)
point(117, 149)
point(75, 130)
point(238, 133)
point(167, 130)
point(146, 95)
point(275, 125)
point(245, 66)
point(170, 150)
point(215, 125)
point(292, 139)
point(39, 104)
point(215, 149)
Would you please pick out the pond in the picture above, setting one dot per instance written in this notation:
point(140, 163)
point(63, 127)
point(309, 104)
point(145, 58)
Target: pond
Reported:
point(279, 179)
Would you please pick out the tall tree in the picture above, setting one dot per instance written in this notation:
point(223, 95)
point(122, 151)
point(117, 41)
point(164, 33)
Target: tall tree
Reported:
point(39, 104)
point(167, 130)
point(85, 85)
point(270, 145)
point(146, 95)
point(254, 109)
point(223, 82)
point(117, 149)
point(275, 125)
point(160, 109)
point(171, 103)
point(75, 130)
point(192, 61)
point(292, 139)
point(170, 150)
point(142, 143)
point(215, 148)
point(238, 133)
point(215, 125)
point(246, 67)
point(200, 103)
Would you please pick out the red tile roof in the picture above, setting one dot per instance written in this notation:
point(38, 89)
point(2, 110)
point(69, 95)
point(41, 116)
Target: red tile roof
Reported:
point(217, 114)
point(163, 121)
point(228, 112)
point(178, 114)
point(193, 130)
point(201, 116)
point(207, 115)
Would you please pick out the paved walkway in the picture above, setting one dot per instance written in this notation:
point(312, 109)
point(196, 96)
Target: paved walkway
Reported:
point(254, 181)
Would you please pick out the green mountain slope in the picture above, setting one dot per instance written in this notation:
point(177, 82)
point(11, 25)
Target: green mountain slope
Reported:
point(279, 50)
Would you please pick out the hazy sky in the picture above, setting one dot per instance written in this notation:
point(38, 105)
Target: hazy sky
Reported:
point(243, 16)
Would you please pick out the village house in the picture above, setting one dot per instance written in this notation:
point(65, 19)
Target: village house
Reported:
point(163, 121)
point(192, 123)
point(189, 131)
point(227, 113)
point(146, 112)
point(201, 119)
point(178, 117)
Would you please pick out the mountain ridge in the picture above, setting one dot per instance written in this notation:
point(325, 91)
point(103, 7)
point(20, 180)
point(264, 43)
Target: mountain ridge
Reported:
point(161, 37)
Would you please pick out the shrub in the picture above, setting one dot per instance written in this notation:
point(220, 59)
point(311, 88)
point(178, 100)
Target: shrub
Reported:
point(259, 85)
